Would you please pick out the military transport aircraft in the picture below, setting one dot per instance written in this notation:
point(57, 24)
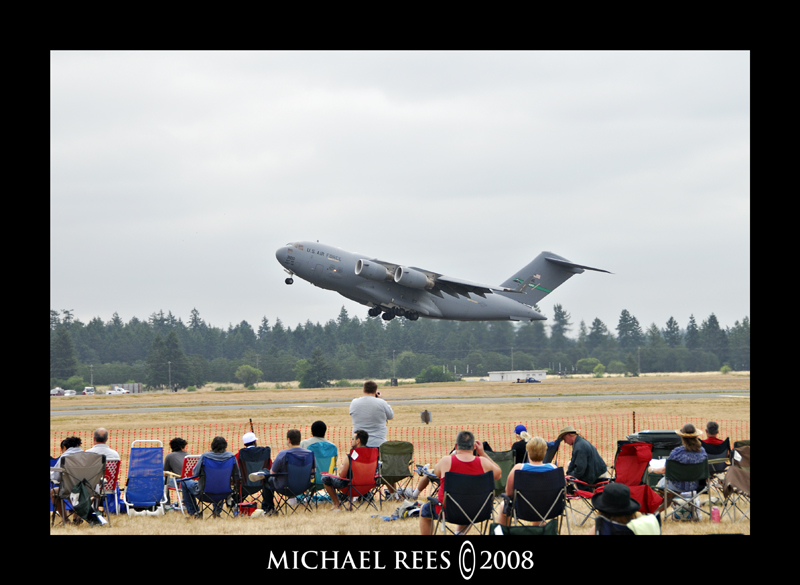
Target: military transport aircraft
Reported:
point(403, 291)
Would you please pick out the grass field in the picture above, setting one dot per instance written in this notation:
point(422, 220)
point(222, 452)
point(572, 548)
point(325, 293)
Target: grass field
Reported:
point(733, 408)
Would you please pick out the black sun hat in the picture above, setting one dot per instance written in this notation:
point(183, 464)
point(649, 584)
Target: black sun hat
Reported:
point(615, 500)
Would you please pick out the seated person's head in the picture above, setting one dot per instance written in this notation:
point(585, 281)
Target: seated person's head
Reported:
point(293, 435)
point(100, 436)
point(712, 428)
point(690, 437)
point(536, 447)
point(318, 429)
point(219, 444)
point(71, 442)
point(249, 439)
point(360, 439)
point(465, 441)
point(177, 444)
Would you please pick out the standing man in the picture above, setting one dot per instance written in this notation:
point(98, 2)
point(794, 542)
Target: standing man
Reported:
point(370, 413)
point(100, 446)
point(586, 464)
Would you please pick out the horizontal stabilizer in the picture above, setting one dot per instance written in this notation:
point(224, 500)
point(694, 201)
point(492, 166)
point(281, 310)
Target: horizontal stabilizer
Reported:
point(567, 264)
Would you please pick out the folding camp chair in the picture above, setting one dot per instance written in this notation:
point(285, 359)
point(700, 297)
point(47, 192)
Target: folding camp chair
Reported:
point(676, 471)
point(551, 455)
point(326, 456)
point(396, 460)
point(300, 479)
point(251, 460)
point(718, 461)
point(736, 485)
point(111, 480)
point(466, 501)
point(505, 461)
point(82, 486)
point(145, 491)
point(217, 481)
point(539, 496)
point(189, 461)
point(580, 490)
point(630, 468)
point(365, 480)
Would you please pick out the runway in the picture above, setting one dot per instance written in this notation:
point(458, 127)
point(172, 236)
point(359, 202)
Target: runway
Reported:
point(68, 410)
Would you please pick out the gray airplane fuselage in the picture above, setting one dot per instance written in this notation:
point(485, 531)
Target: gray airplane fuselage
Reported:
point(374, 283)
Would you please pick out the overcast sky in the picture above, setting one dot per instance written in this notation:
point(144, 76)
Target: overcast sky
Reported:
point(176, 175)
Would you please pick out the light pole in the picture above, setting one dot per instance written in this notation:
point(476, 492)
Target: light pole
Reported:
point(169, 368)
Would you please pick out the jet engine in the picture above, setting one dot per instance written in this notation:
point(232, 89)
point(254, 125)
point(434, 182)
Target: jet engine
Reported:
point(412, 278)
point(372, 270)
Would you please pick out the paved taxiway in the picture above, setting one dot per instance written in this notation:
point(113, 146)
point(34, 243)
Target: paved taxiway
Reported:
point(67, 410)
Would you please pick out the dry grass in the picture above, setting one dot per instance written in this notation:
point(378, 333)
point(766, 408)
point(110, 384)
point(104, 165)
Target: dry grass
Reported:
point(360, 522)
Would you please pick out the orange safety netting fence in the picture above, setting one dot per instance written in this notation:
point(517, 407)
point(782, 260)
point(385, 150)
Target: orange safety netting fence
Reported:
point(431, 442)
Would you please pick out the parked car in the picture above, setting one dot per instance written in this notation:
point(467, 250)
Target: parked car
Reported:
point(69, 392)
point(57, 391)
point(88, 391)
point(117, 390)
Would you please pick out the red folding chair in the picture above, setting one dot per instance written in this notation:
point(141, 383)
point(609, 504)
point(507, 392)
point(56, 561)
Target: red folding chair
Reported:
point(186, 471)
point(365, 479)
point(111, 481)
point(630, 465)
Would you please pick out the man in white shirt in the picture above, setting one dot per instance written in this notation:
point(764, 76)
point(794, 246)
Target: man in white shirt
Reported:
point(371, 413)
point(100, 440)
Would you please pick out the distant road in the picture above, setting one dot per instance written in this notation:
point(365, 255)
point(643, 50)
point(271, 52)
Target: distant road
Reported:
point(68, 410)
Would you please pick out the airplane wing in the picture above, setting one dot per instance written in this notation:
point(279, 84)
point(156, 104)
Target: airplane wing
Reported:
point(458, 286)
point(449, 284)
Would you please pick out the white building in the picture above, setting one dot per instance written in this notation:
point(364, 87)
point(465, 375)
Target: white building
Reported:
point(514, 375)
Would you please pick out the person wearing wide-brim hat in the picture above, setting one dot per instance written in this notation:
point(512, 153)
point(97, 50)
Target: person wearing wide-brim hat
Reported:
point(615, 501)
point(689, 452)
point(616, 504)
point(586, 464)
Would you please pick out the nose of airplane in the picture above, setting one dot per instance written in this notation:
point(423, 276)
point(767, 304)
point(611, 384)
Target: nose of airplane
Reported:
point(281, 253)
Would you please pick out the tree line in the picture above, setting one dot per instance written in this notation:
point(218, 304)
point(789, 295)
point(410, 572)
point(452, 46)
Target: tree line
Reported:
point(164, 350)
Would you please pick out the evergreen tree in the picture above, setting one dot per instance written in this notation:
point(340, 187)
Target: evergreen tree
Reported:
point(318, 373)
point(559, 329)
point(672, 334)
point(178, 371)
point(713, 338)
point(157, 367)
point(598, 333)
point(739, 345)
point(63, 360)
point(692, 339)
point(629, 332)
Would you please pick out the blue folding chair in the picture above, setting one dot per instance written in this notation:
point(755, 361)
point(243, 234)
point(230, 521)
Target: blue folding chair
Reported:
point(300, 478)
point(217, 481)
point(326, 456)
point(145, 492)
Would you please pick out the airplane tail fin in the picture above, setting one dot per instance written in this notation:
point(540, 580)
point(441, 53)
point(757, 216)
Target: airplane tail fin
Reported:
point(542, 276)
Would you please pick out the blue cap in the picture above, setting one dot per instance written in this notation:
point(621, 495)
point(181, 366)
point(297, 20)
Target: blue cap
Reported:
point(519, 429)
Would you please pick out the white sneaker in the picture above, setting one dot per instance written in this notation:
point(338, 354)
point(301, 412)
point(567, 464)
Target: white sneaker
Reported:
point(292, 502)
point(257, 476)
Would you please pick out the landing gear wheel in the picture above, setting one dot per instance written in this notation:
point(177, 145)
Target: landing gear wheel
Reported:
point(374, 311)
point(388, 316)
point(289, 281)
